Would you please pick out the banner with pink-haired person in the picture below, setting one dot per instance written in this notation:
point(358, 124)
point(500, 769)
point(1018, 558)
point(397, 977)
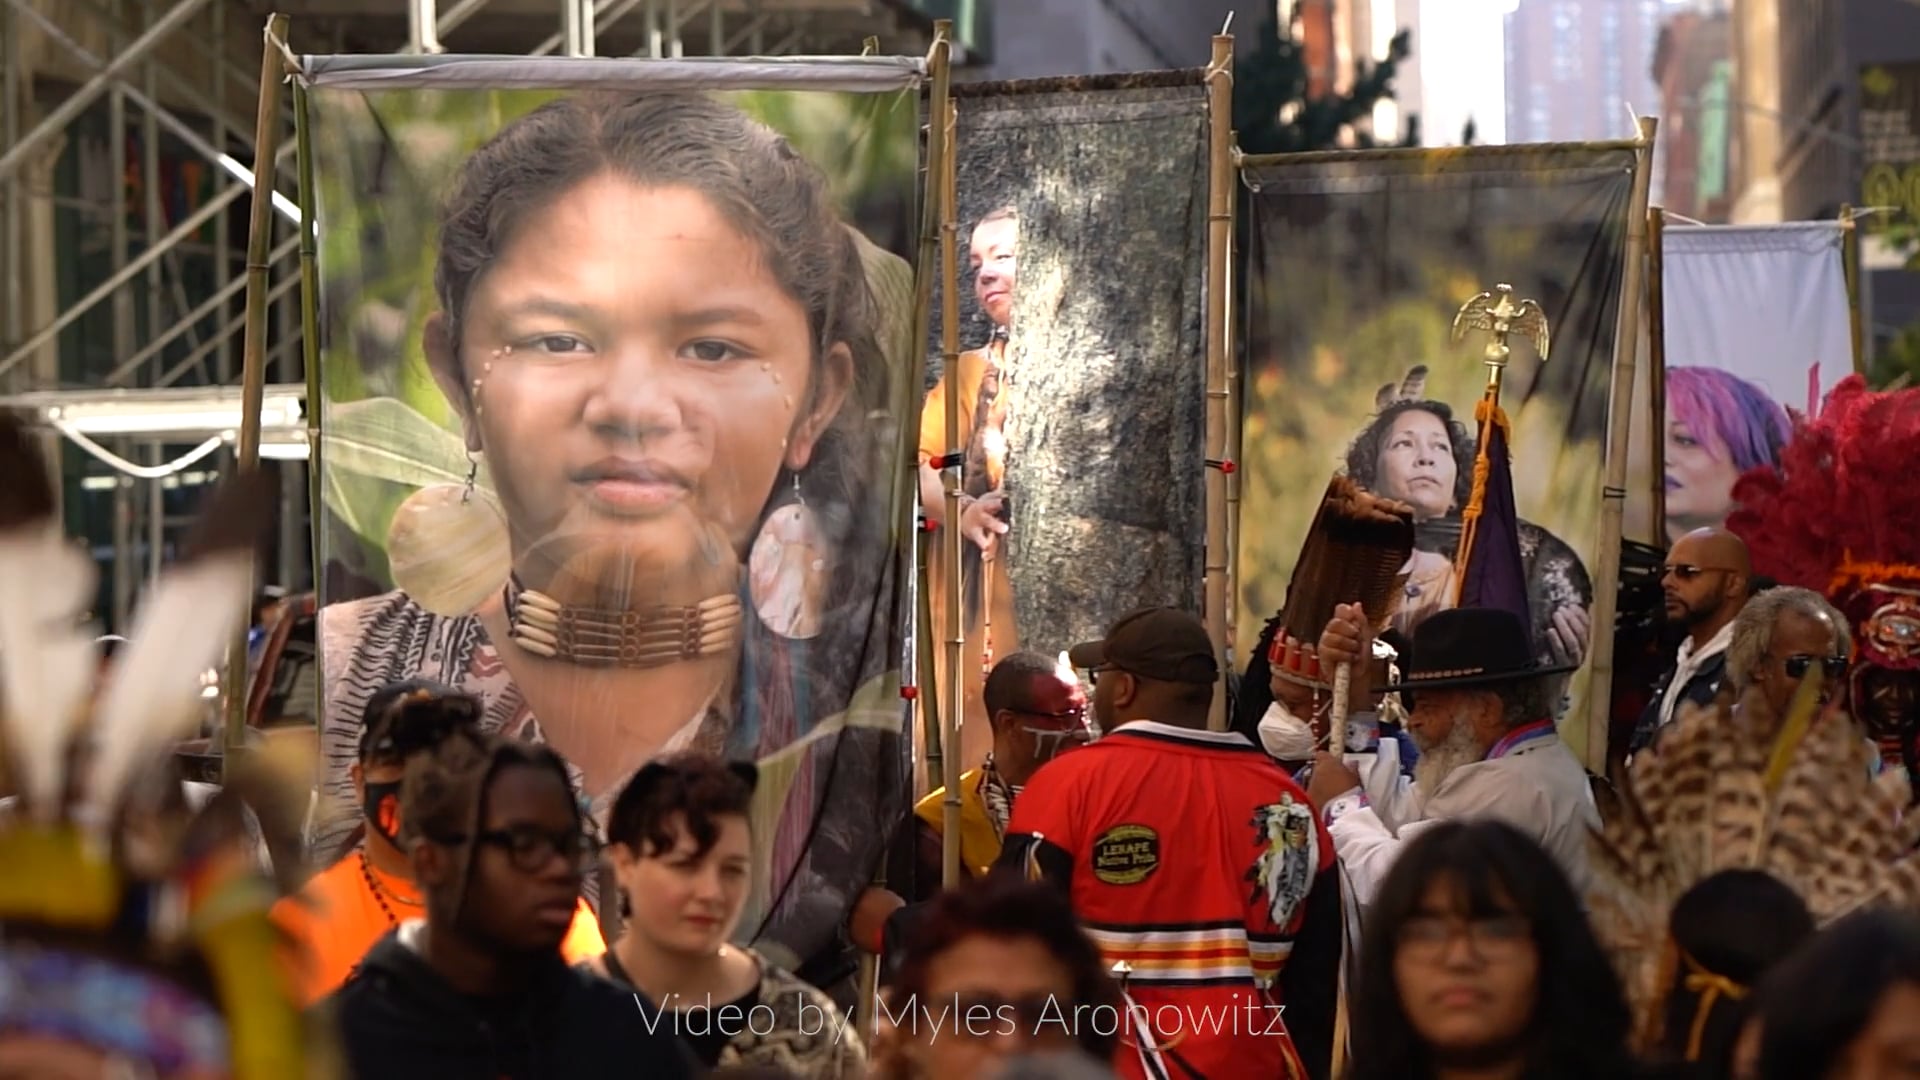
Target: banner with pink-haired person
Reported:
point(1756, 322)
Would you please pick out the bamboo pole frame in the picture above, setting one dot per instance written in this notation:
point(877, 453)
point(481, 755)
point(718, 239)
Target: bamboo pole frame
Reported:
point(1657, 366)
point(1850, 266)
point(1619, 438)
point(939, 225)
point(1220, 183)
point(939, 93)
point(1231, 289)
point(253, 377)
point(951, 535)
point(309, 201)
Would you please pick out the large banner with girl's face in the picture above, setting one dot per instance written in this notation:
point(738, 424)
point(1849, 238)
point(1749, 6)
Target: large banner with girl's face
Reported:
point(1359, 265)
point(1081, 376)
point(618, 388)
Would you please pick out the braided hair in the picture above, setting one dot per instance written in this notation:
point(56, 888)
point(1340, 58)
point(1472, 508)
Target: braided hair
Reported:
point(443, 800)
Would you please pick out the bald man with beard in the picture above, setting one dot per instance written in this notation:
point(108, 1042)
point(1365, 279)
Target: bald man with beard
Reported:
point(1707, 579)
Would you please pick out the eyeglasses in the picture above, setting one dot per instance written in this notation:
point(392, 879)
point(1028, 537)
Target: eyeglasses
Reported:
point(1066, 719)
point(530, 849)
point(1833, 667)
point(1094, 673)
point(1688, 571)
point(1497, 937)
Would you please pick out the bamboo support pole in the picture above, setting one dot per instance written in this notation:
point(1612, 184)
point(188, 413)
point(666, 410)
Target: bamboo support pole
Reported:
point(1234, 390)
point(1850, 266)
point(939, 92)
point(1657, 367)
point(938, 219)
point(309, 198)
point(1619, 432)
point(951, 536)
point(1220, 178)
point(253, 377)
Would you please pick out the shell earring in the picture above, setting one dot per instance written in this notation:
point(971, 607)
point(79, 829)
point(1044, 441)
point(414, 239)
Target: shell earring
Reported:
point(447, 546)
point(787, 570)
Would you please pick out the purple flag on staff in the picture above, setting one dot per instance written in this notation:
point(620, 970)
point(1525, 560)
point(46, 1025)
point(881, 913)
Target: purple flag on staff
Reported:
point(1491, 573)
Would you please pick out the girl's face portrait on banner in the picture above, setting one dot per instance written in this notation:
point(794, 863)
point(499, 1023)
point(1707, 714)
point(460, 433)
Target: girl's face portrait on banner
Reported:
point(617, 458)
point(636, 391)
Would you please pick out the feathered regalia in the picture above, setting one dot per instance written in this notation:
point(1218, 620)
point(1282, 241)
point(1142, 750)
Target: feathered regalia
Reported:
point(1840, 516)
point(1719, 795)
point(134, 932)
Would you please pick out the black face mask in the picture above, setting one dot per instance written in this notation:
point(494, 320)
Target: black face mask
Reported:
point(382, 810)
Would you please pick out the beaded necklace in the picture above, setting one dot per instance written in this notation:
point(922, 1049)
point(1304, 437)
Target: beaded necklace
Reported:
point(380, 892)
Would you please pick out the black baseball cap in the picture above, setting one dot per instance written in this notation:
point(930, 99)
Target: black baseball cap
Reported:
point(1161, 643)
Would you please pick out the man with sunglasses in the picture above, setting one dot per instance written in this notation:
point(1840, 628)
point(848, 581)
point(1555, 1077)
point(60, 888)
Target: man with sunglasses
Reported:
point(1778, 637)
point(1037, 712)
point(1706, 581)
point(345, 909)
point(478, 989)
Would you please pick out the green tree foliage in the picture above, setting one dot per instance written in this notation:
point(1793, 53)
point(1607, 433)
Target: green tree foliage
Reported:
point(1274, 113)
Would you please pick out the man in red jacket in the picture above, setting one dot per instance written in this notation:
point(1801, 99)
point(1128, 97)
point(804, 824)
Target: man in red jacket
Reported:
point(1194, 861)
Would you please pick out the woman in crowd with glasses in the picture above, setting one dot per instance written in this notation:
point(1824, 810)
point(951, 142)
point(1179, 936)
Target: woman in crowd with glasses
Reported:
point(683, 856)
point(1478, 963)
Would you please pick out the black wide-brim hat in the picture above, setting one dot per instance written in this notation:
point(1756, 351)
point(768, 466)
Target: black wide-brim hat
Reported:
point(1470, 647)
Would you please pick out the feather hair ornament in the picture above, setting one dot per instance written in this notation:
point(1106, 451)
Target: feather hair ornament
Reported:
point(47, 653)
point(183, 628)
point(115, 888)
point(1718, 795)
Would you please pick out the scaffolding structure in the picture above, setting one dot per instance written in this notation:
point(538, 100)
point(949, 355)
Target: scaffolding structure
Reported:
point(126, 149)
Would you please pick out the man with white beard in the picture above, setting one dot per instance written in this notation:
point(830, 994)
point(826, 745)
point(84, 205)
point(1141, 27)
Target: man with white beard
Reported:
point(1482, 716)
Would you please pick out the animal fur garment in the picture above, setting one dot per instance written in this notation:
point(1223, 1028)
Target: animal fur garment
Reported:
point(1356, 550)
point(1701, 803)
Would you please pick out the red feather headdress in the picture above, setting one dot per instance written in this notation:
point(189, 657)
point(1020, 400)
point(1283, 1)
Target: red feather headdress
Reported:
point(1840, 516)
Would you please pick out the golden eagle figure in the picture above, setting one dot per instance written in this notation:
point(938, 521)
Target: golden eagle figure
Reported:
point(1497, 313)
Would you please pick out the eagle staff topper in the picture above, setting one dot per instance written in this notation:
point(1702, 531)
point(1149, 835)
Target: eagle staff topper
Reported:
point(1497, 313)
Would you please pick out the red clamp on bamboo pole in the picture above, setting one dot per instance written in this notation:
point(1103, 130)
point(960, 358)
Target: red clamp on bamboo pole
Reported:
point(1225, 465)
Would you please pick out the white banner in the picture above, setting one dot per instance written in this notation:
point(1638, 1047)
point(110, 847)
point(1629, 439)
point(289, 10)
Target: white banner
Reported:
point(1756, 323)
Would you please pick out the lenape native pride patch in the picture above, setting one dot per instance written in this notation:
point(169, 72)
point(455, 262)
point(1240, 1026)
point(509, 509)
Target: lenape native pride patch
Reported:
point(1126, 855)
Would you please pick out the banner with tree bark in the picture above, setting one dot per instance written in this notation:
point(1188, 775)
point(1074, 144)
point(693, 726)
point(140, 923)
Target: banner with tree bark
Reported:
point(1358, 265)
point(1082, 227)
point(619, 383)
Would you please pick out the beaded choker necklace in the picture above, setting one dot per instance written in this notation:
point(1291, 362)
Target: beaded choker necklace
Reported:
point(594, 637)
point(380, 892)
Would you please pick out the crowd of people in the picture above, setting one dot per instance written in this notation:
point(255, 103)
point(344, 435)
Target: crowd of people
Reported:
point(1428, 883)
point(1437, 889)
